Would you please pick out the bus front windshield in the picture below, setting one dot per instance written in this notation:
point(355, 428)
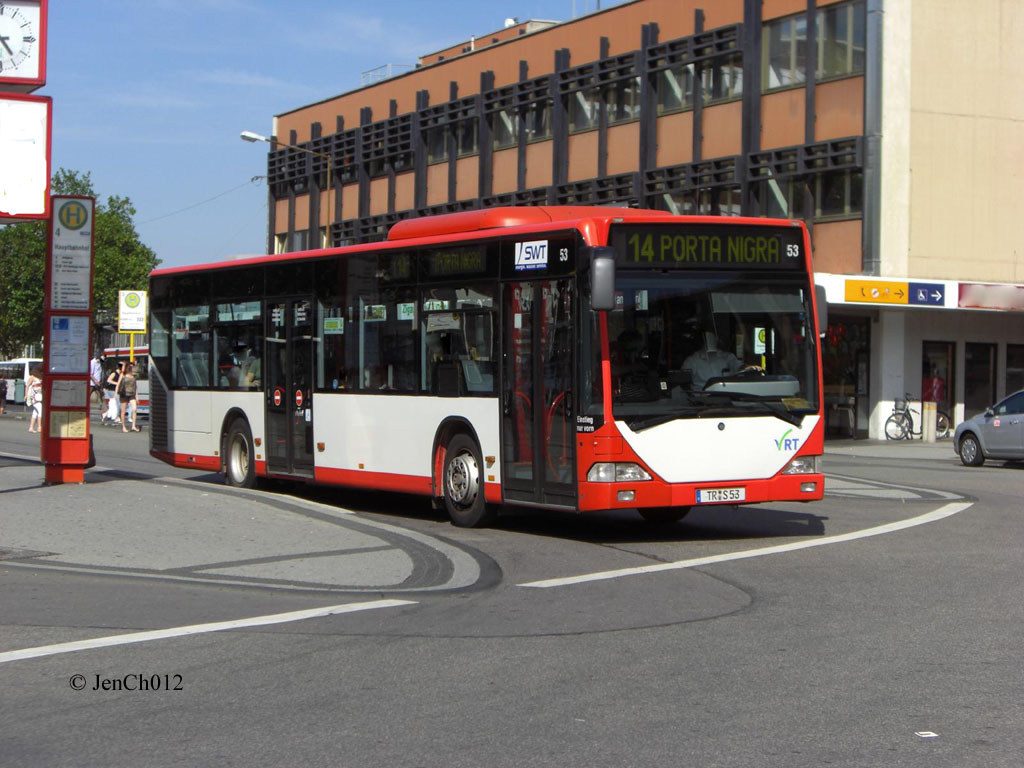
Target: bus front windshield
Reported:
point(708, 344)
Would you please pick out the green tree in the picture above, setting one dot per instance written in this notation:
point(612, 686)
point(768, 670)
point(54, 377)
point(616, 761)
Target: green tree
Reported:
point(121, 262)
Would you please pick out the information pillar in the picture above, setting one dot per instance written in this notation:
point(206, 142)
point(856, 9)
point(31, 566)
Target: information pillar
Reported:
point(67, 318)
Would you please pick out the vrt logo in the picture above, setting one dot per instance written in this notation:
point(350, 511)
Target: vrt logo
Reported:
point(73, 215)
point(786, 443)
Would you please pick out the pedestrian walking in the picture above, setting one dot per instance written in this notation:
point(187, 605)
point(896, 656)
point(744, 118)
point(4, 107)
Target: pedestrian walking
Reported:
point(34, 399)
point(96, 379)
point(113, 412)
point(3, 396)
point(128, 390)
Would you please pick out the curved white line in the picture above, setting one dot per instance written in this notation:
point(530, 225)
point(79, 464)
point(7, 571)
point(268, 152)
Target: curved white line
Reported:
point(944, 511)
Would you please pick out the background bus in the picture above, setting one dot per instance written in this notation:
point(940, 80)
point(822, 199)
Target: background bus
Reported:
point(114, 356)
point(536, 356)
point(16, 372)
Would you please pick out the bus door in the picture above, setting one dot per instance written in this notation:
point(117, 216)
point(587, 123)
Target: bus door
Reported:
point(289, 386)
point(538, 452)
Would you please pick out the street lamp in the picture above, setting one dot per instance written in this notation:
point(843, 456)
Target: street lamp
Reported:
point(253, 137)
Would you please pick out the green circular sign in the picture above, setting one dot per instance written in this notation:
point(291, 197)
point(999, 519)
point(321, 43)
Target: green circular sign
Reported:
point(132, 300)
point(73, 215)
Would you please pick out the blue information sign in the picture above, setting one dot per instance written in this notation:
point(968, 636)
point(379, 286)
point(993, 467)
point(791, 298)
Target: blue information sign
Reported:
point(927, 293)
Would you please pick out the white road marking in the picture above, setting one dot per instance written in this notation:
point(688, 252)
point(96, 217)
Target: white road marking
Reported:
point(944, 511)
point(196, 629)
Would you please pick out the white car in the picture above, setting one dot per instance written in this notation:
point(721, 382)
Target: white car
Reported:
point(998, 433)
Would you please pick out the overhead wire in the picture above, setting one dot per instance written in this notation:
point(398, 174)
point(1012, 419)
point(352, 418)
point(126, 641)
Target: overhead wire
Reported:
point(253, 180)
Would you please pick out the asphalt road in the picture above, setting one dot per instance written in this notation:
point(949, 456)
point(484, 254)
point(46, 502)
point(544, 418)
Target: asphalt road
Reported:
point(694, 645)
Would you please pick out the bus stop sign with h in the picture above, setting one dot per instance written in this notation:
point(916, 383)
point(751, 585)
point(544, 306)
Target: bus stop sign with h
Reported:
point(67, 340)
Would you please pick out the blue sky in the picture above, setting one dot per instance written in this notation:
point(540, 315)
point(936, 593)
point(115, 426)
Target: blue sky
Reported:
point(149, 96)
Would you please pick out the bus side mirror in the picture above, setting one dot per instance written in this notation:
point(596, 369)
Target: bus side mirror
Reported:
point(821, 302)
point(602, 278)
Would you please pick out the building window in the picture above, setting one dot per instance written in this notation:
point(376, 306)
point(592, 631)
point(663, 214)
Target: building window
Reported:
point(623, 100)
point(784, 53)
point(537, 120)
point(979, 376)
point(1014, 367)
point(436, 139)
point(781, 198)
point(300, 240)
point(467, 136)
point(679, 203)
point(281, 243)
point(841, 40)
point(722, 79)
point(937, 373)
point(583, 109)
point(838, 194)
point(720, 201)
point(710, 201)
point(675, 88)
point(504, 128)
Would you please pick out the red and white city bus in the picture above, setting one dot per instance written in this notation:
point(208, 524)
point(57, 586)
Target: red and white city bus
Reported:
point(568, 358)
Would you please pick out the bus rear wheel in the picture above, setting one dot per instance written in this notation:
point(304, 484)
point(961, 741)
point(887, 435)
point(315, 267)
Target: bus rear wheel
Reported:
point(239, 468)
point(462, 485)
point(663, 515)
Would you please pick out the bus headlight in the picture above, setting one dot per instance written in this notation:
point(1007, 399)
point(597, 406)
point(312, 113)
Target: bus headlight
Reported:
point(804, 465)
point(616, 472)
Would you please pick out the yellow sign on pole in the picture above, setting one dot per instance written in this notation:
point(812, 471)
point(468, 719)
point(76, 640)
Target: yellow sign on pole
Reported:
point(878, 291)
point(131, 311)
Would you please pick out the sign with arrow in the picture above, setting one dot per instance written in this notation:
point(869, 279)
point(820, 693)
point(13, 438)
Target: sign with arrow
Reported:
point(929, 294)
point(878, 291)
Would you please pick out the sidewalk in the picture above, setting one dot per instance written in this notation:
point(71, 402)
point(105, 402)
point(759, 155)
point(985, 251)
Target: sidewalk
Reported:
point(121, 524)
point(940, 450)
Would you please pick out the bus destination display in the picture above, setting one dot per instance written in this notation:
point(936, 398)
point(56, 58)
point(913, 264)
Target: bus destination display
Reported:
point(700, 246)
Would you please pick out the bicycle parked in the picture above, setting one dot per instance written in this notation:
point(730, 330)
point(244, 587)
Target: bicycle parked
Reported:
point(900, 426)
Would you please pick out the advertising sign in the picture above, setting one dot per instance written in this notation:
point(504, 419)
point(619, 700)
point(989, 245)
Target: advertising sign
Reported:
point(25, 156)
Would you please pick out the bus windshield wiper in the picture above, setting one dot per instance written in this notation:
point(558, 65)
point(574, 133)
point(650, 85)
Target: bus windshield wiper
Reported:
point(741, 402)
point(640, 424)
point(778, 411)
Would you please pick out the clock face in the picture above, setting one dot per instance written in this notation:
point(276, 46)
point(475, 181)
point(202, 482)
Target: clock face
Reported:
point(19, 39)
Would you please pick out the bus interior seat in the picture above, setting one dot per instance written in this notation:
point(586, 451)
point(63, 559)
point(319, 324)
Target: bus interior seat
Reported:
point(448, 379)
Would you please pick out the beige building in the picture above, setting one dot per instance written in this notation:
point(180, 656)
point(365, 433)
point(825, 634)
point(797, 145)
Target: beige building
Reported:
point(898, 142)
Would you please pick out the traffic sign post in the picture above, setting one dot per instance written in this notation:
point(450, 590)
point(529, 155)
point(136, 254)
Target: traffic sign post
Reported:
point(131, 316)
point(67, 316)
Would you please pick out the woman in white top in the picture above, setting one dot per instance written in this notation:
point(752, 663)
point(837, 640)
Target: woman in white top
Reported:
point(34, 399)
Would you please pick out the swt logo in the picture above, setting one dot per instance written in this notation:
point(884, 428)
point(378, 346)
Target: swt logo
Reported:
point(532, 255)
point(786, 443)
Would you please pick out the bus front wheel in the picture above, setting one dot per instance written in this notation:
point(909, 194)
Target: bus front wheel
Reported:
point(463, 486)
point(239, 468)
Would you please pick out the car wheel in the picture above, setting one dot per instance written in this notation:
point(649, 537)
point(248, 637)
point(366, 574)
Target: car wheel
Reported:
point(970, 451)
point(463, 486)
